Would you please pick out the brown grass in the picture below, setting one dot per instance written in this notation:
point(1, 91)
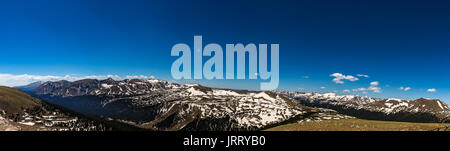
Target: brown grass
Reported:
point(14, 101)
point(357, 125)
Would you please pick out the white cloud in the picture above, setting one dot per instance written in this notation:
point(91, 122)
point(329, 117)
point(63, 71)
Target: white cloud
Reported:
point(431, 90)
point(323, 87)
point(305, 77)
point(374, 87)
point(405, 88)
point(374, 83)
point(346, 91)
point(363, 75)
point(339, 77)
point(360, 89)
point(139, 77)
point(24, 79)
point(15, 80)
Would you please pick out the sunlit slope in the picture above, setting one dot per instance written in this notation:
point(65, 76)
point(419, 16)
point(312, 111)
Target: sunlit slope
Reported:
point(15, 101)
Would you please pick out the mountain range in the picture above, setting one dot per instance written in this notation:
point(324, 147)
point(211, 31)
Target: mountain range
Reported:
point(160, 105)
point(421, 110)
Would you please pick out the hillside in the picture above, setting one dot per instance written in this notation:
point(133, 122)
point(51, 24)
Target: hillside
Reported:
point(20, 111)
point(15, 101)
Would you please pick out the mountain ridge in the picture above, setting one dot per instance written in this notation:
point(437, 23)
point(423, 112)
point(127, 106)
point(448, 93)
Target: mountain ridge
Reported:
point(162, 105)
point(419, 110)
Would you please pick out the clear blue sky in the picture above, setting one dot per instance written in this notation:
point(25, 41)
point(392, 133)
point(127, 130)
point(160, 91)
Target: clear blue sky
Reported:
point(403, 43)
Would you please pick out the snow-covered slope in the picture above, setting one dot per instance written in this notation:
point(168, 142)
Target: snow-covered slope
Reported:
point(329, 97)
point(396, 109)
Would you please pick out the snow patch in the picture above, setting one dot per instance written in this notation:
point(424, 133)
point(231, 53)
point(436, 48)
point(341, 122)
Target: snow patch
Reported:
point(265, 96)
point(440, 105)
point(106, 86)
point(225, 92)
point(193, 91)
point(394, 99)
point(388, 104)
point(27, 123)
point(153, 80)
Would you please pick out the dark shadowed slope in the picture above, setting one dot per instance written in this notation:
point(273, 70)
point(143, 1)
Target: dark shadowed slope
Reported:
point(20, 111)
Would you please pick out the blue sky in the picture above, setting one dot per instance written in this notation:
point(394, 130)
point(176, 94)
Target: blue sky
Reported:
point(398, 44)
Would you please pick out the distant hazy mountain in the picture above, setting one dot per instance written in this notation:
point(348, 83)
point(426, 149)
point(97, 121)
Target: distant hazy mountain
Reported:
point(30, 86)
point(20, 111)
point(420, 110)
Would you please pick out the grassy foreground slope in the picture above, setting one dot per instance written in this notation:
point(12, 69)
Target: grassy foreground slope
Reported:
point(14, 100)
point(358, 125)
